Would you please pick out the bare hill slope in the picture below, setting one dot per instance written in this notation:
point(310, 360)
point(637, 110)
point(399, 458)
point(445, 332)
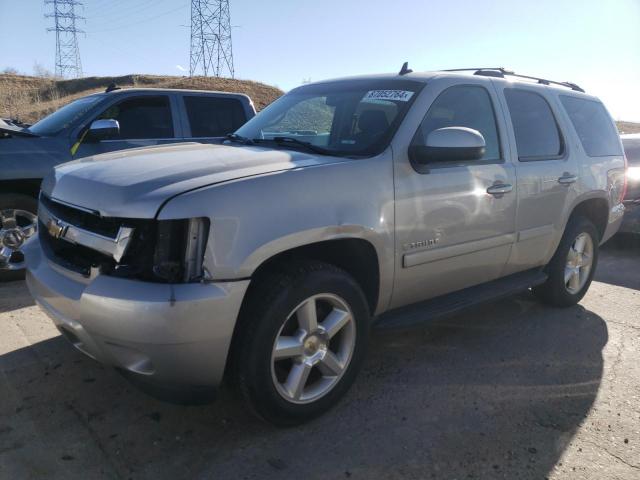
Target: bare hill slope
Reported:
point(30, 98)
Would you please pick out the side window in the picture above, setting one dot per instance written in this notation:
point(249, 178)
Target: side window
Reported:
point(463, 106)
point(142, 117)
point(595, 128)
point(535, 127)
point(213, 116)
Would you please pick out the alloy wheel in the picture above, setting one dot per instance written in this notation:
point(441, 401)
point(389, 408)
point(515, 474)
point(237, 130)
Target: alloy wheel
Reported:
point(579, 263)
point(313, 348)
point(16, 227)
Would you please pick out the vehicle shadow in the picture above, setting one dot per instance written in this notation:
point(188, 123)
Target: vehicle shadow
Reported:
point(497, 392)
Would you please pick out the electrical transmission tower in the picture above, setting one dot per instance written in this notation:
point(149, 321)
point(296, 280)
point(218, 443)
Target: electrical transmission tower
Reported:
point(67, 53)
point(211, 51)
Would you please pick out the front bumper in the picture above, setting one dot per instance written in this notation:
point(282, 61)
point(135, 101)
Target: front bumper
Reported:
point(176, 335)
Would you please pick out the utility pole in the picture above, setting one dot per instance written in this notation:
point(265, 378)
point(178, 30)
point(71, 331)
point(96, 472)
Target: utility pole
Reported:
point(67, 53)
point(211, 50)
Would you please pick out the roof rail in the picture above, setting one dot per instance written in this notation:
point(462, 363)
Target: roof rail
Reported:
point(501, 72)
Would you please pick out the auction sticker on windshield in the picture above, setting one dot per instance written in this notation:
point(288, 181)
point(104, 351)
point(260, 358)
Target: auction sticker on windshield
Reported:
point(396, 95)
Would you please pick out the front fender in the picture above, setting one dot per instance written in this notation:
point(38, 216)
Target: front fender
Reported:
point(255, 218)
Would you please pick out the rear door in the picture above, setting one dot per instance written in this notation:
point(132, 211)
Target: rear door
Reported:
point(450, 232)
point(145, 120)
point(207, 117)
point(547, 172)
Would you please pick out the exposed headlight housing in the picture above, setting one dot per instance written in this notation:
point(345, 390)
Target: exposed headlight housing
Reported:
point(179, 249)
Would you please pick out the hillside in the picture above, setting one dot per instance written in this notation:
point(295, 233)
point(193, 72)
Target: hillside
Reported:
point(31, 98)
point(28, 98)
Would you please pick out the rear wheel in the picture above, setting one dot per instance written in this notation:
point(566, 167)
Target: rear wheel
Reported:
point(18, 222)
point(573, 265)
point(300, 342)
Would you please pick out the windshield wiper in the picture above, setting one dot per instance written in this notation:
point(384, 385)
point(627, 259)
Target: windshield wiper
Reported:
point(294, 141)
point(234, 137)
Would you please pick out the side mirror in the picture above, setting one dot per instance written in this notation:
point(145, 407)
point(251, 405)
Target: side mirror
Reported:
point(450, 144)
point(103, 129)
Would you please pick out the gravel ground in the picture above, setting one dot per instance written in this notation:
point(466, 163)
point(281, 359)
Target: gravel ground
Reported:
point(510, 390)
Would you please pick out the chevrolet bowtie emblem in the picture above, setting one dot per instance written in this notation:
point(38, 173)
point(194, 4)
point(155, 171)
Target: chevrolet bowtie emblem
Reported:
point(55, 229)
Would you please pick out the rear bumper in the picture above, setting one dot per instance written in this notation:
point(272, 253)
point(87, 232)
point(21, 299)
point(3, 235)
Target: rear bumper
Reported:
point(615, 220)
point(165, 334)
point(631, 220)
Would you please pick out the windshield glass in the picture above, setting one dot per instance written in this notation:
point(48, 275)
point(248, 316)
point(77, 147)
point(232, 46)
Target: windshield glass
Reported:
point(351, 117)
point(62, 118)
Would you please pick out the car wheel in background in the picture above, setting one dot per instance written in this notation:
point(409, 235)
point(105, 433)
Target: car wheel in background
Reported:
point(18, 222)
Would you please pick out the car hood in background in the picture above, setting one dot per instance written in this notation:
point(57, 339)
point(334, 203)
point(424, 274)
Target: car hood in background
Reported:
point(136, 183)
point(15, 130)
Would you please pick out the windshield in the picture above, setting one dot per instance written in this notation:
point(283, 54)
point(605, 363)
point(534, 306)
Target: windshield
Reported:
point(351, 117)
point(62, 118)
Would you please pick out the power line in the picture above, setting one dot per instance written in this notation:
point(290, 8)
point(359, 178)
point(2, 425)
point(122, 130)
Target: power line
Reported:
point(68, 62)
point(211, 48)
point(148, 19)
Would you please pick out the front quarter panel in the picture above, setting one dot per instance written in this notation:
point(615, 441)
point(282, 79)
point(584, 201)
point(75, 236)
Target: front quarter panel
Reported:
point(255, 218)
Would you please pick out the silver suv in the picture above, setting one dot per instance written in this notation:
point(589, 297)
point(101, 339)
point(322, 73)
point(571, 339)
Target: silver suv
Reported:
point(381, 200)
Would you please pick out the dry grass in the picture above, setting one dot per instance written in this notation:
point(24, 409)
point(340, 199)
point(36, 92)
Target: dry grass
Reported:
point(31, 98)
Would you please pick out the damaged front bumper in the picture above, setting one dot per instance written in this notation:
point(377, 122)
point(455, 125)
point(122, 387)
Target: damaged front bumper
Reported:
point(166, 334)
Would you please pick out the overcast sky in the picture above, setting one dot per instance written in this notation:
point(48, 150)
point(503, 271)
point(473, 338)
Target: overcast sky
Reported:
point(594, 43)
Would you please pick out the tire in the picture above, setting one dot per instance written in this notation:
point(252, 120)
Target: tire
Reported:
point(277, 308)
point(556, 290)
point(13, 270)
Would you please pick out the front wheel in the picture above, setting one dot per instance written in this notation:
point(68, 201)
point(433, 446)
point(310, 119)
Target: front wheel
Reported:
point(573, 265)
point(300, 342)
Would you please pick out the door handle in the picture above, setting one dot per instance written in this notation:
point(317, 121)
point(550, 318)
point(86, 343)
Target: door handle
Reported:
point(567, 179)
point(499, 189)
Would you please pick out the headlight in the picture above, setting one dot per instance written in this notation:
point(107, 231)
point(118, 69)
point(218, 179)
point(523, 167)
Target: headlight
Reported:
point(170, 251)
point(179, 249)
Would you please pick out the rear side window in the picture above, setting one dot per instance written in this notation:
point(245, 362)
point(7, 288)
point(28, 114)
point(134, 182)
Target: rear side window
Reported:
point(595, 129)
point(535, 127)
point(142, 117)
point(214, 116)
point(463, 106)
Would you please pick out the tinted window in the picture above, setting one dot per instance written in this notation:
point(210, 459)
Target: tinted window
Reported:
point(463, 106)
point(535, 127)
point(597, 133)
point(142, 117)
point(214, 117)
point(632, 150)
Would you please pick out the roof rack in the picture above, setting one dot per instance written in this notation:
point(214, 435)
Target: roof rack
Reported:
point(501, 72)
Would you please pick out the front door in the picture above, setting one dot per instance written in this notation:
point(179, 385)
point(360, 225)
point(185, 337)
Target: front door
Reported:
point(144, 121)
point(451, 233)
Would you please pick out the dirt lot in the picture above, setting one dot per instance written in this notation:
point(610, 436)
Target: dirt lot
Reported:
point(510, 390)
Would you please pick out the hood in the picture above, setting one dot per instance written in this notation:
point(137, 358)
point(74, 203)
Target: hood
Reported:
point(15, 130)
point(136, 183)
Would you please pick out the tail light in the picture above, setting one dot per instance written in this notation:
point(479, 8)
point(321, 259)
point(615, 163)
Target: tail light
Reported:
point(617, 184)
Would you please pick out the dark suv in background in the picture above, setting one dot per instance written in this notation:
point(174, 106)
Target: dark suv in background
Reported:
point(631, 223)
point(104, 122)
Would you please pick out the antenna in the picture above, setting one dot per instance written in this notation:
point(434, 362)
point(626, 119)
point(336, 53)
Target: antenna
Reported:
point(67, 53)
point(211, 48)
point(405, 69)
